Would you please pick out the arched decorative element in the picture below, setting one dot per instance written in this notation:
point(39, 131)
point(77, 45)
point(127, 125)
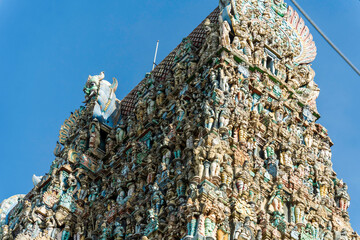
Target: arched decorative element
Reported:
point(7, 205)
point(66, 128)
point(308, 48)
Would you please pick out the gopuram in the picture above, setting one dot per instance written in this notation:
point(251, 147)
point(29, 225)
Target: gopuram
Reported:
point(218, 142)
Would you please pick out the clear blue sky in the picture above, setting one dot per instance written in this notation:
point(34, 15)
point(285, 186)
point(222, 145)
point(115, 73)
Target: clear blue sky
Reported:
point(48, 48)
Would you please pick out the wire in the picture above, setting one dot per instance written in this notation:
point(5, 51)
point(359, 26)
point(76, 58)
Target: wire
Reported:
point(326, 38)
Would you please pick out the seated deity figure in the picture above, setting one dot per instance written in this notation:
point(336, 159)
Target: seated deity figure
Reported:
point(285, 158)
point(243, 231)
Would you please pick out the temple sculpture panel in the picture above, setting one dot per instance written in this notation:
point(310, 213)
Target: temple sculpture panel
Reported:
point(219, 142)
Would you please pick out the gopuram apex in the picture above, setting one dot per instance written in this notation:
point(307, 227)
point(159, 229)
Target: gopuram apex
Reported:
point(218, 142)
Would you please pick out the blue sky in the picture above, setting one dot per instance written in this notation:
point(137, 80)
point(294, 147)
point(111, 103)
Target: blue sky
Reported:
point(48, 48)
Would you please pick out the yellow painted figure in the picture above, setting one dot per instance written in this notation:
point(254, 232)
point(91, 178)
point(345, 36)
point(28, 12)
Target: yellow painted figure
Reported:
point(222, 235)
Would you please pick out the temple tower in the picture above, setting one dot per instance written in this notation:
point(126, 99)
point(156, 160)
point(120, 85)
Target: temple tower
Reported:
point(218, 142)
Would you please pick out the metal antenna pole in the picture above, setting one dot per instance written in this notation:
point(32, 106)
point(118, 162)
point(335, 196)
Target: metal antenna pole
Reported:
point(157, 46)
point(326, 38)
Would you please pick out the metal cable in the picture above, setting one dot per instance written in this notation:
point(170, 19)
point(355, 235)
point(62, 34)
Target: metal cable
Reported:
point(326, 38)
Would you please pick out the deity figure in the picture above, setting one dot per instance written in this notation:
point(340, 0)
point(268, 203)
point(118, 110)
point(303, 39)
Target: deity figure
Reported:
point(51, 225)
point(239, 186)
point(94, 141)
point(189, 140)
point(270, 151)
point(192, 211)
point(325, 152)
point(151, 105)
point(180, 111)
point(83, 187)
point(279, 115)
point(300, 203)
point(166, 156)
point(294, 79)
point(110, 142)
point(327, 233)
point(79, 231)
point(285, 158)
point(224, 33)
point(72, 182)
point(105, 232)
point(177, 150)
point(66, 232)
point(6, 233)
point(179, 74)
point(276, 203)
point(94, 191)
point(119, 231)
point(224, 80)
point(243, 132)
point(215, 167)
point(224, 117)
point(343, 235)
point(242, 41)
point(157, 199)
point(227, 171)
point(259, 235)
point(160, 96)
point(259, 53)
point(140, 110)
point(211, 43)
point(210, 225)
point(214, 79)
point(209, 115)
point(243, 230)
point(223, 232)
point(121, 198)
point(343, 196)
point(83, 136)
point(272, 166)
point(239, 95)
point(279, 7)
point(200, 155)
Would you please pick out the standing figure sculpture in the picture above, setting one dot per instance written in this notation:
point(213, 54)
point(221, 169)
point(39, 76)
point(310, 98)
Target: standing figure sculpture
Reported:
point(343, 196)
point(94, 141)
